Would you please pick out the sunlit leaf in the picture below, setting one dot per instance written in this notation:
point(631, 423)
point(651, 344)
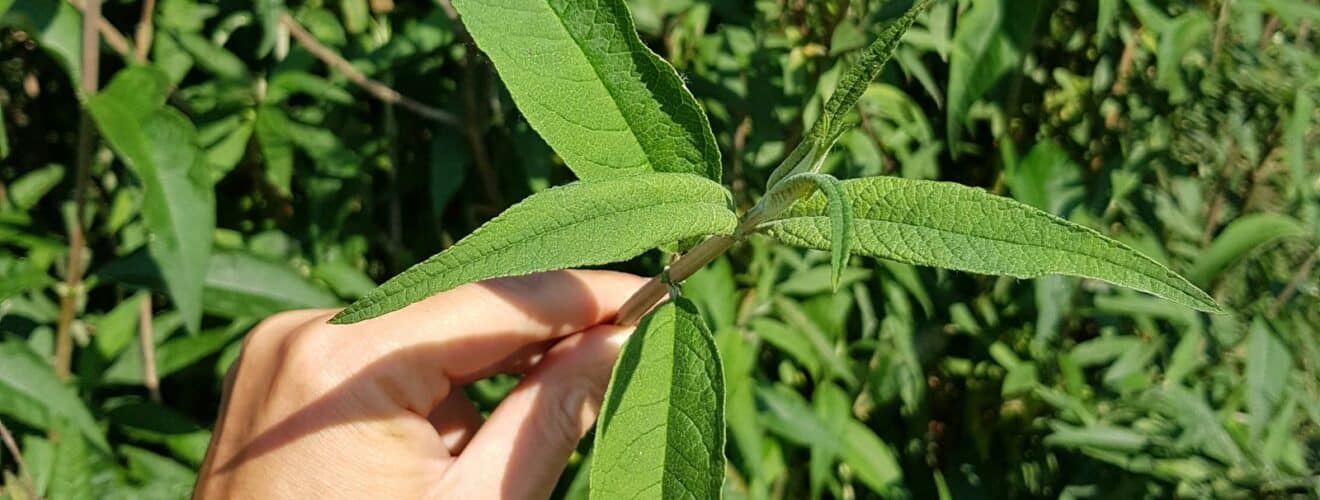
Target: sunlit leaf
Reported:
point(661, 428)
point(948, 225)
point(584, 80)
point(581, 224)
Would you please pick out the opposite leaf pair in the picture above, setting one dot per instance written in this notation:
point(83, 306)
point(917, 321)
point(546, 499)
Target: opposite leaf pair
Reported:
point(621, 118)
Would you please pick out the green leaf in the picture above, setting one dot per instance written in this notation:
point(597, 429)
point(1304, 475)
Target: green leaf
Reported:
point(948, 225)
point(855, 82)
point(1243, 235)
point(975, 63)
point(715, 291)
point(1300, 121)
point(30, 393)
point(213, 58)
point(71, 478)
point(26, 191)
point(116, 328)
point(4, 131)
point(1200, 424)
point(788, 415)
point(242, 285)
point(56, 26)
point(1268, 364)
point(794, 315)
point(584, 80)
point(581, 224)
point(789, 341)
point(160, 145)
point(238, 284)
point(739, 356)
point(355, 15)
point(796, 186)
point(661, 428)
point(874, 462)
point(448, 168)
point(287, 83)
point(1097, 436)
point(154, 423)
point(272, 129)
point(826, 130)
point(1181, 36)
point(173, 355)
point(160, 476)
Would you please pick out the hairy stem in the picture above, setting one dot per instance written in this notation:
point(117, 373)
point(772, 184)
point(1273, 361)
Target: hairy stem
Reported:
point(91, 62)
point(683, 267)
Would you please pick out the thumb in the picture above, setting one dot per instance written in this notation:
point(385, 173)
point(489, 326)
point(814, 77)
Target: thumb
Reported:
point(523, 447)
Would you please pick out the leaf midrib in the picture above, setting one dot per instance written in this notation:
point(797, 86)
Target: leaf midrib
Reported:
point(370, 303)
point(590, 218)
point(1169, 273)
point(604, 83)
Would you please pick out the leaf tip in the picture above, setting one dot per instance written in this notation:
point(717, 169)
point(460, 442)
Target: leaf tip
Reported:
point(346, 316)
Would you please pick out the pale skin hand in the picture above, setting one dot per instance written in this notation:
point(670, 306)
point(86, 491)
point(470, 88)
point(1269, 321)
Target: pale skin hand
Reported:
point(375, 409)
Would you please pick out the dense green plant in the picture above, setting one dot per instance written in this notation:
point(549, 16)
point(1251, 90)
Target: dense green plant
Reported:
point(616, 112)
point(259, 158)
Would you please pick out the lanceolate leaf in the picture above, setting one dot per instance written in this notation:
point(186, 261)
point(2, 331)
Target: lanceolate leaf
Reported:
point(584, 80)
point(1239, 239)
point(580, 224)
point(30, 393)
point(957, 227)
point(160, 145)
point(1268, 364)
point(661, 427)
point(817, 142)
point(854, 83)
point(837, 208)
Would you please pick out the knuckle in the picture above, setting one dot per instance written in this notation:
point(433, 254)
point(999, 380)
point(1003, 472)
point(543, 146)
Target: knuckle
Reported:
point(268, 335)
point(307, 356)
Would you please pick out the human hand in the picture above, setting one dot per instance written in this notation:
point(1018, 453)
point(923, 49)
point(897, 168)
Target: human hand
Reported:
point(375, 409)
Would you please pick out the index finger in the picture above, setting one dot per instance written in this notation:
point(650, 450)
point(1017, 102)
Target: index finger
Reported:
point(465, 331)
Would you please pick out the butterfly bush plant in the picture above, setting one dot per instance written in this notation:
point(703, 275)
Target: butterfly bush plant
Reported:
point(649, 169)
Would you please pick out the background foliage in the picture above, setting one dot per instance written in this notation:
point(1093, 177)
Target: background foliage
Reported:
point(1187, 129)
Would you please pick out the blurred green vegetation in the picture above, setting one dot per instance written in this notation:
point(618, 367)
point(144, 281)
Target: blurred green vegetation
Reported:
point(1188, 130)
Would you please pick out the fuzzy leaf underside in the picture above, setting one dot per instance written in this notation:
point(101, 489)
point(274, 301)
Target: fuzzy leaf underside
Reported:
point(661, 429)
point(837, 208)
point(858, 78)
point(832, 122)
point(585, 223)
point(948, 225)
point(579, 73)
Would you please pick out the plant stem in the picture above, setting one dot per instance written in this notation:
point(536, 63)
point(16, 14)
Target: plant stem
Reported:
point(147, 342)
point(113, 38)
point(91, 62)
point(142, 39)
point(1220, 24)
point(704, 253)
point(375, 88)
point(474, 132)
point(1291, 289)
point(24, 478)
point(683, 267)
